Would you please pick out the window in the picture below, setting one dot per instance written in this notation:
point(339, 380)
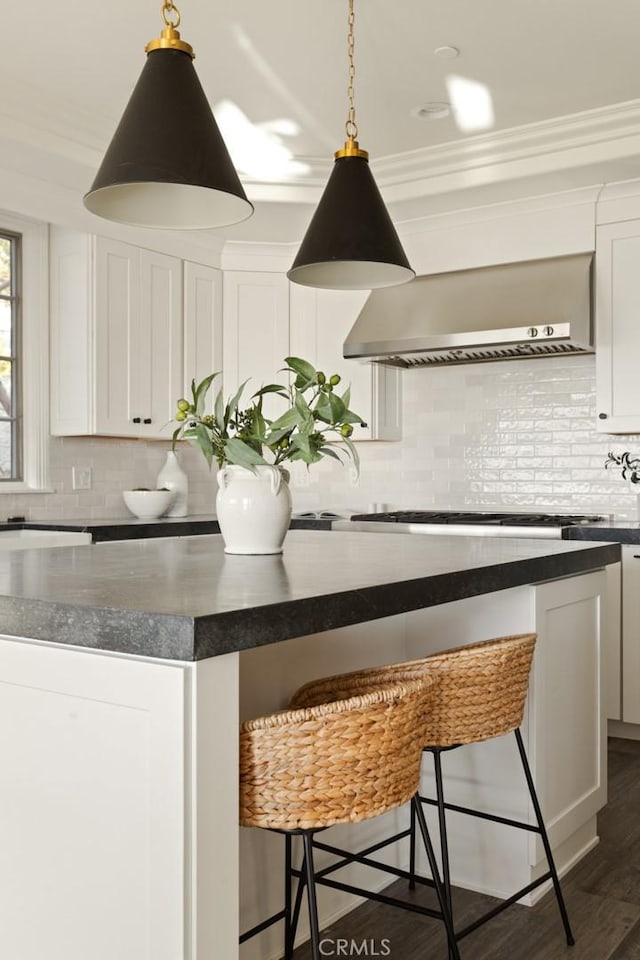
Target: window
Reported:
point(24, 358)
point(10, 404)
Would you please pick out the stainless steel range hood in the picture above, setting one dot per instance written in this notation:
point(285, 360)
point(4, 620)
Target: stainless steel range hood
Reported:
point(511, 311)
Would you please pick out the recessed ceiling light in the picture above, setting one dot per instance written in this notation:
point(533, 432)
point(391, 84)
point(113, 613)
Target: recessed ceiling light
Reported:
point(435, 110)
point(446, 53)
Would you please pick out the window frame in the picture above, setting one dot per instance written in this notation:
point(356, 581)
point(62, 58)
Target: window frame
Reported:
point(33, 353)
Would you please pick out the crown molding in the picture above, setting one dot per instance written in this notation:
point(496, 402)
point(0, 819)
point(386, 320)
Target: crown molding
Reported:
point(32, 118)
point(577, 140)
point(50, 154)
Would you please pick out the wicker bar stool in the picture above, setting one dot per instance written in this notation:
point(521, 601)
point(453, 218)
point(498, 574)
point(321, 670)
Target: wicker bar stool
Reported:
point(479, 693)
point(351, 757)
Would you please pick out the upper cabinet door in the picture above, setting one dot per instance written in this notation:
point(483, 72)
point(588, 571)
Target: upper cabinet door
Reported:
point(159, 350)
point(116, 337)
point(320, 322)
point(202, 324)
point(256, 332)
point(138, 319)
point(618, 327)
point(116, 309)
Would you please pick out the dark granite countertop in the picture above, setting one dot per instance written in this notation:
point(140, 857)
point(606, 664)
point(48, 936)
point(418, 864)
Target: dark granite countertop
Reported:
point(614, 531)
point(129, 528)
point(183, 598)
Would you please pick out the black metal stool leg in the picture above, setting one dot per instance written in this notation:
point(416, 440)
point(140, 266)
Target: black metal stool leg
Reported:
point(307, 838)
point(288, 928)
point(545, 840)
point(412, 847)
point(433, 865)
point(442, 824)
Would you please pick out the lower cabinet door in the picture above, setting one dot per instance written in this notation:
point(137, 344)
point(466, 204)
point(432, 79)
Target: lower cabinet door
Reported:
point(91, 806)
point(631, 633)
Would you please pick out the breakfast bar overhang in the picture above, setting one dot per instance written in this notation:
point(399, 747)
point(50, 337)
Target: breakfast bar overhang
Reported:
point(124, 671)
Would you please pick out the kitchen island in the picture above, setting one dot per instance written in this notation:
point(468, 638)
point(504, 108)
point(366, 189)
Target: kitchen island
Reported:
point(125, 668)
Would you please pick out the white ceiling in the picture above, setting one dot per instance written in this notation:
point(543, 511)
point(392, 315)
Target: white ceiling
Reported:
point(67, 72)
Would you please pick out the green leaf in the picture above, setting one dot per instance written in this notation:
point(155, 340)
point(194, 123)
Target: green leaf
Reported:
point(330, 452)
point(258, 432)
point(272, 388)
point(232, 406)
point(349, 417)
point(301, 405)
point(322, 409)
point(338, 408)
point(199, 436)
point(241, 454)
point(176, 434)
point(302, 367)
point(301, 442)
point(275, 436)
point(200, 392)
point(219, 409)
point(290, 418)
point(354, 453)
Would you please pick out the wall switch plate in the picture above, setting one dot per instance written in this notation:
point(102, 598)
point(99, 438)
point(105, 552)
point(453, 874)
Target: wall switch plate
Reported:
point(81, 478)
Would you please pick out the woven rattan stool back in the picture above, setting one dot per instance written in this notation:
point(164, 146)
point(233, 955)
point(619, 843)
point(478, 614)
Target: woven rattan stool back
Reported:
point(478, 691)
point(351, 757)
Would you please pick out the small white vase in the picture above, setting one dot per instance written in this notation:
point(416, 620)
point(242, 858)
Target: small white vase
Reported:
point(253, 509)
point(173, 477)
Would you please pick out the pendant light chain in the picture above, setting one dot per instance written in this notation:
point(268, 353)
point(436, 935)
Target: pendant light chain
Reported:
point(170, 10)
point(351, 126)
point(351, 243)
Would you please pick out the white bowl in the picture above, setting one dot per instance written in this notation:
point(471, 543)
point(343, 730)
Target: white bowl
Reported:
point(148, 504)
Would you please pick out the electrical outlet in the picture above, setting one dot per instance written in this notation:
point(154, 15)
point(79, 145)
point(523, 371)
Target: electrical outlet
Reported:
point(81, 478)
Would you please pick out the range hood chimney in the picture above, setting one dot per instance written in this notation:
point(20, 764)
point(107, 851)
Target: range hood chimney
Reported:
point(506, 312)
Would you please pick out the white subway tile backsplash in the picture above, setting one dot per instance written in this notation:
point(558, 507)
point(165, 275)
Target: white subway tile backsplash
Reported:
point(529, 442)
point(510, 435)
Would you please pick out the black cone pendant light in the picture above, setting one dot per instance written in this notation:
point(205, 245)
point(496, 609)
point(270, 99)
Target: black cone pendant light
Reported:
point(351, 243)
point(167, 164)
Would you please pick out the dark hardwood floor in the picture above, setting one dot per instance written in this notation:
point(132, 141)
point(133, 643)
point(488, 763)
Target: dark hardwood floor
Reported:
point(602, 894)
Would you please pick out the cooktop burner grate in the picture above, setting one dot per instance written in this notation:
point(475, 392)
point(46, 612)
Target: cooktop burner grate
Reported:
point(492, 519)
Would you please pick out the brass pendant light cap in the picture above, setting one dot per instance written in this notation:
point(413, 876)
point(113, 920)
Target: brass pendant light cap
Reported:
point(170, 40)
point(351, 149)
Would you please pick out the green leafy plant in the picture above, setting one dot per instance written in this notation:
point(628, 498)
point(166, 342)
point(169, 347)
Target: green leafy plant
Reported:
point(315, 416)
point(629, 466)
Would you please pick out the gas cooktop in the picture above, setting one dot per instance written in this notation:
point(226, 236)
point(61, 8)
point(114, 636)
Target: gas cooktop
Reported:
point(492, 519)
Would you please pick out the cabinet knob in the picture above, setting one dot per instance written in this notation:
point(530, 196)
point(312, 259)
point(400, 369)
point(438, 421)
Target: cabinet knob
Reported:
point(602, 416)
point(364, 426)
point(147, 420)
point(136, 420)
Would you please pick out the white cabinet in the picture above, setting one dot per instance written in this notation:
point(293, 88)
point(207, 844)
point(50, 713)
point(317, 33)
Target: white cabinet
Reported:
point(112, 813)
point(202, 322)
point(618, 327)
point(93, 769)
point(631, 633)
point(116, 337)
point(256, 331)
point(320, 321)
